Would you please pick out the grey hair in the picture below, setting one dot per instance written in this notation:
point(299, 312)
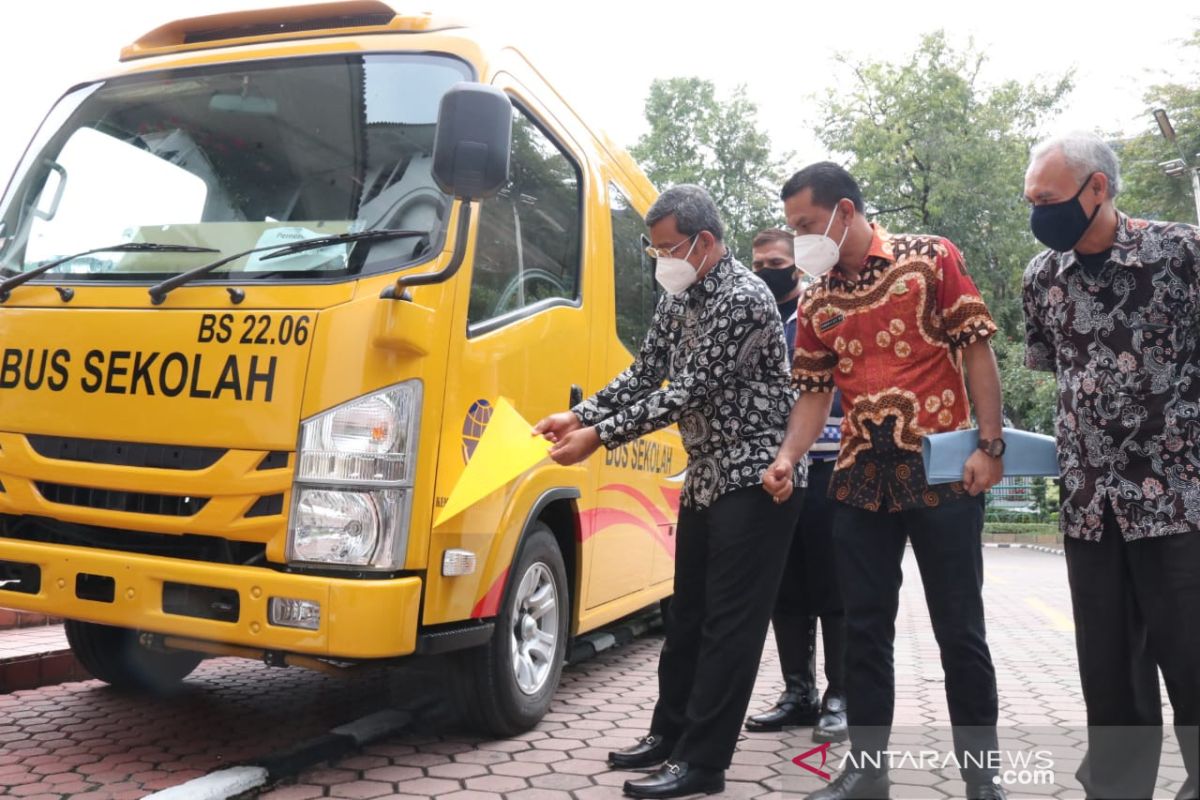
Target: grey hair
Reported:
point(693, 208)
point(1085, 153)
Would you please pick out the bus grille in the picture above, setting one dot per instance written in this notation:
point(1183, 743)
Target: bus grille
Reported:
point(125, 454)
point(110, 500)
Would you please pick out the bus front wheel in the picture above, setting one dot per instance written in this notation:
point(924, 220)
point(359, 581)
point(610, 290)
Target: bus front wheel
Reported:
point(510, 682)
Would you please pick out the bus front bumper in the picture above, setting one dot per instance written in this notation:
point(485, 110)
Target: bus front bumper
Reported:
point(357, 618)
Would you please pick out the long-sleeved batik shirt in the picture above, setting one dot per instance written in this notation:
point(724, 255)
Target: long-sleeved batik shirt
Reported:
point(1124, 344)
point(720, 349)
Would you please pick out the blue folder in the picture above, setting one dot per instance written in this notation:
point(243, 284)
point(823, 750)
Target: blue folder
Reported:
point(1026, 453)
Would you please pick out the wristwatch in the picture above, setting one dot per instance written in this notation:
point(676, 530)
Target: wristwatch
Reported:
point(993, 447)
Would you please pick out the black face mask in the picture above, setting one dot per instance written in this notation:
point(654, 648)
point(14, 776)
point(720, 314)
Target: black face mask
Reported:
point(781, 282)
point(1060, 226)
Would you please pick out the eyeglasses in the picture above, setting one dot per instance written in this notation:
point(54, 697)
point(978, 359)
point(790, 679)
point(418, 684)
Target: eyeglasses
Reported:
point(666, 252)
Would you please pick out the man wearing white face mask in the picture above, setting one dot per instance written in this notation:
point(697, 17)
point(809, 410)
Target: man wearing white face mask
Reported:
point(892, 322)
point(717, 341)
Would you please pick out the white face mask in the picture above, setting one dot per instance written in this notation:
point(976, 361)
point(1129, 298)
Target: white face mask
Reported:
point(676, 275)
point(816, 253)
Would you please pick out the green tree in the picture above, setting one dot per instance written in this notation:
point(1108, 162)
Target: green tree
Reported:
point(1147, 191)
point(696, 137)
point(936, 150)
point(1030, 398)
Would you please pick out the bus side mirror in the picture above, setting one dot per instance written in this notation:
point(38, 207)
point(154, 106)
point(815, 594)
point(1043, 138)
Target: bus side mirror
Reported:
point(470, 162)
point(473, 140)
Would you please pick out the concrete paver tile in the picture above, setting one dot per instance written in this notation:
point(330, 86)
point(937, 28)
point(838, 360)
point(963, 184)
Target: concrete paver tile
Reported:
point(420, 759)
point(470, 794)
point(360, 790)
point(429, 786)
point(330, 777)
point(506, 746)
point(485, 758)
point(456, 771)
point(496, 783)
point(560, 780)
point(521, 769)
point(539, 794)
point(598, 793)
point(577, 766)
point(749, 772)
point(543, 756)
point(301, 791)
point(393, 774)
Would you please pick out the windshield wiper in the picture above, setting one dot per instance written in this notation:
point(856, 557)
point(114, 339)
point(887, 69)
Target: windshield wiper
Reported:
point(7, 286)
point(159, 291)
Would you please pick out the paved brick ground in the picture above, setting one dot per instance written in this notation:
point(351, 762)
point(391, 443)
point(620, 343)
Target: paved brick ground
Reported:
point(606, 703)
point(82, 740)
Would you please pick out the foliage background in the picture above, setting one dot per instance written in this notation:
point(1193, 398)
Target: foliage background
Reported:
point(938, 147)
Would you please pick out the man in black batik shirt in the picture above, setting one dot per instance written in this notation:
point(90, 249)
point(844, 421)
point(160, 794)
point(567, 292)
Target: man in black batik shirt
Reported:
point(1112, 308)
point(809, 590)
point(717, 343)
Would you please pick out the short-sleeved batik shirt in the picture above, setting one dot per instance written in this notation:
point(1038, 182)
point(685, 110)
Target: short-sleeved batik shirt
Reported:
point(892, 342)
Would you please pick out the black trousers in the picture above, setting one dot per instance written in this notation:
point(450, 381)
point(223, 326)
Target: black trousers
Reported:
point(810, 589)
point(946, 542)
point(1137, 610)
point(728, 561)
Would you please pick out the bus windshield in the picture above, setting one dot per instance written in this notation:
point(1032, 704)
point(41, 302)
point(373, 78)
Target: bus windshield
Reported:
point(233, 158)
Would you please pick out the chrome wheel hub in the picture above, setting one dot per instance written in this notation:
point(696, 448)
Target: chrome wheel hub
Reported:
point(534, 639)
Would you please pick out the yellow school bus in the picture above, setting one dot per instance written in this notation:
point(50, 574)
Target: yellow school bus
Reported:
point(260, 293)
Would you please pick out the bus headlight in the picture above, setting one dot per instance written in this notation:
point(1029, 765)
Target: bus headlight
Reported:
point(352, 496)
point(338, 527)
point(368, 441)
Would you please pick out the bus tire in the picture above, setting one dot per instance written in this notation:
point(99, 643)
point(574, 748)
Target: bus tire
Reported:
point(509, 683)
point(115, 656)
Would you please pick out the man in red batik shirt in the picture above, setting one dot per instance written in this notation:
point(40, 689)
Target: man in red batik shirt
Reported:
point(892, 322)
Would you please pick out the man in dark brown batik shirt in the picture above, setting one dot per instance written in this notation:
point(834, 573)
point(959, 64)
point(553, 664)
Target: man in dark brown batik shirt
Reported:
point(1113, 309)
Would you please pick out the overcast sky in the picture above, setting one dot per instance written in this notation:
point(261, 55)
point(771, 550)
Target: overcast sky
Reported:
point(604, 63)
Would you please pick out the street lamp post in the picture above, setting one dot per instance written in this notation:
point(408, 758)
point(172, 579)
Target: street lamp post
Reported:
point(1178, 166)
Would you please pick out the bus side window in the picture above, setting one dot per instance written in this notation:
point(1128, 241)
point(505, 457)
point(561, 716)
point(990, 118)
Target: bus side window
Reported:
point(633, 271)
point(530, 235)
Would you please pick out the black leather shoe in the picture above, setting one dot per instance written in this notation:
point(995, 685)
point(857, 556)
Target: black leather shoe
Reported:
point(790, 709)
point(986, 791)
point(855, 784)
point(676, 780)
point(831, 727)
point(800, 704)
point(650, 751)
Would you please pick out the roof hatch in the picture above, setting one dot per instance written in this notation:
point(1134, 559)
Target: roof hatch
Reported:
point(274, 24)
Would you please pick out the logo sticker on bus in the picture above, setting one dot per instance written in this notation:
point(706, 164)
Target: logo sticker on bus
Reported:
point(474, 424)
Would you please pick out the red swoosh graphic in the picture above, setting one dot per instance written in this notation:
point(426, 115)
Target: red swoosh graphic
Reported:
point(594, 521)
point(672, 497)
point(645, 502)
point(597, 519)
point(489, 604)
